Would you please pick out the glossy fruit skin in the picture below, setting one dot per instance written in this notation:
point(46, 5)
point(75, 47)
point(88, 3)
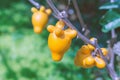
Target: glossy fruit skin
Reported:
point(100, 63)
point(104, 51)
point(84, 58)
point(58, 45)
point(59, 40)
point(40, 18)
point(89, 61)
point(86, 50)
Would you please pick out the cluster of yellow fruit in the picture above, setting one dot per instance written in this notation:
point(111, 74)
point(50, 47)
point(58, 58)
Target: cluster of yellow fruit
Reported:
point(59, 40)
point(85, 59)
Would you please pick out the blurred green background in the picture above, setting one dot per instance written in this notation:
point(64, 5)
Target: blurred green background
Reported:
point(25, 55)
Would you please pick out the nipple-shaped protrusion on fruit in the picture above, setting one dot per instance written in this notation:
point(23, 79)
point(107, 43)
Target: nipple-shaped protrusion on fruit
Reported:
point(71, 33)
point(51, 28)
point(60, 24)
point(42, 9)
point(37, 30)
point(48, 11)
point(57, 56)
point(33, 9)
point(59, 32)
point(85, 49)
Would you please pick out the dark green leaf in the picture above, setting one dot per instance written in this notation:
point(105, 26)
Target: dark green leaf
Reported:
point(110, 5)
point(110, 20)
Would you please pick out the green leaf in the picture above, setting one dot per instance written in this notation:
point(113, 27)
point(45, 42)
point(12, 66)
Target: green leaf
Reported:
point(110, 20)
point(110, 5)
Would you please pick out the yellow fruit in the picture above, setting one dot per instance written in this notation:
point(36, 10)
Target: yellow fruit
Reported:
point(83, 57)
point(40, 18)
point(48, 11)
point(71, 33)
point(78, 61)
point(89, 61)
point(58, 29)
point(58, 45)
point(50, 28)
point(59, 32)
point(59, 40)
point(99, 62)
point(33, 9)
point(104, 51)
point(60, 24)
point(85, 49)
